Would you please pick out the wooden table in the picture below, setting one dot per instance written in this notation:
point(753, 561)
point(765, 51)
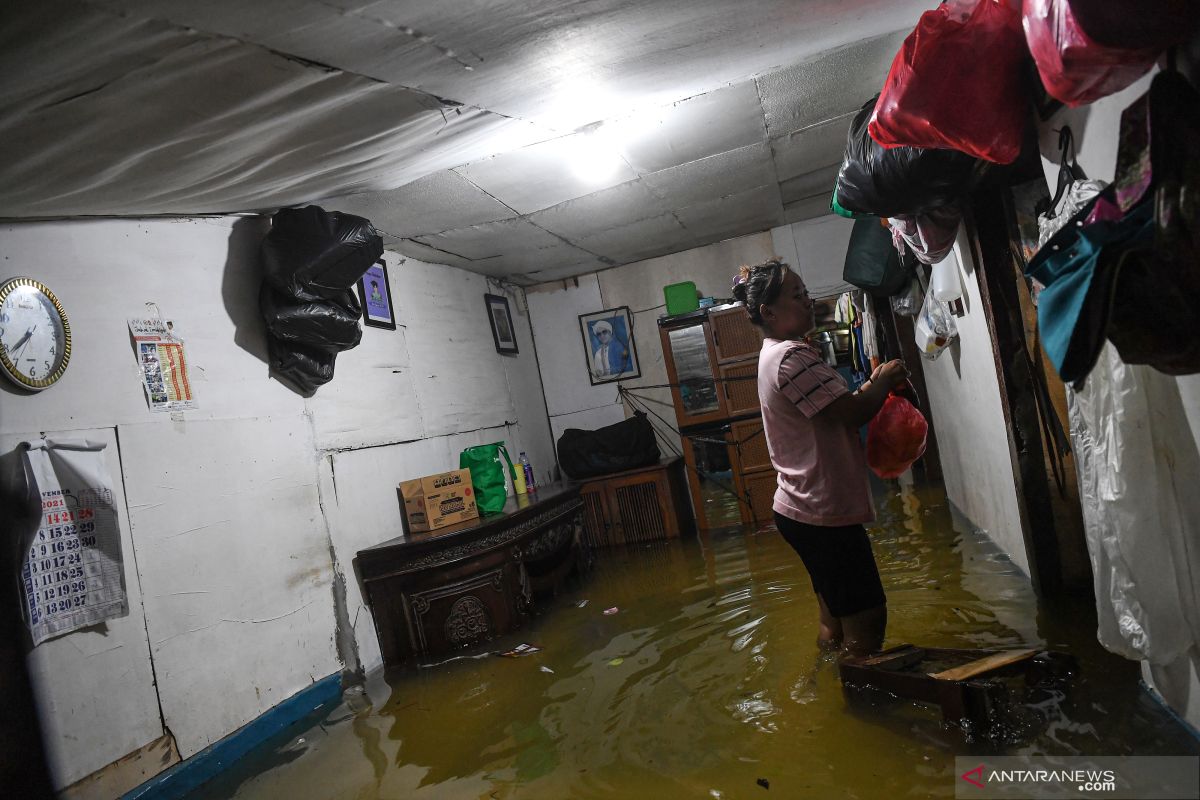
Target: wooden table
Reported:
point(437, 592)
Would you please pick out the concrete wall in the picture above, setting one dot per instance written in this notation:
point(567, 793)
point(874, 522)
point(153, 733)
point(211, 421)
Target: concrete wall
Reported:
point(240, 520)
point(818, 246)
point(1096, 129)
point(973, 440)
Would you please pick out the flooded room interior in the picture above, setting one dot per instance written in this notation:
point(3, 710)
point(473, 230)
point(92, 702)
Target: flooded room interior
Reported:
point(600, 399)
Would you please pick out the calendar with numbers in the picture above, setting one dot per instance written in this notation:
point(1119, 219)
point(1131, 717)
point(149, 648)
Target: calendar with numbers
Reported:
point(73, 575)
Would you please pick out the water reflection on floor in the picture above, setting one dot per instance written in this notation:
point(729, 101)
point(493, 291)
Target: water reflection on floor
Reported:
point(708, 680)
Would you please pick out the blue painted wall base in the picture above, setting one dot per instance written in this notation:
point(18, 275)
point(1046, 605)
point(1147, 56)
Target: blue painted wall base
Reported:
point(186, 776)
point(1158, 698)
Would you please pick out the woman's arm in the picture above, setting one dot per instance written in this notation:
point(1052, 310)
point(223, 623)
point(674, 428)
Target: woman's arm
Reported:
point(859, 408)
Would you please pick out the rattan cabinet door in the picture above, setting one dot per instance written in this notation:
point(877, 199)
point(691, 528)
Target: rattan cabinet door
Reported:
point(735, 337)
point(739, 384)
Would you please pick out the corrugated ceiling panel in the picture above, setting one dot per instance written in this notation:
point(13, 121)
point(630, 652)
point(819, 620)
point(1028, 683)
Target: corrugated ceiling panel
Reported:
point(828, 86)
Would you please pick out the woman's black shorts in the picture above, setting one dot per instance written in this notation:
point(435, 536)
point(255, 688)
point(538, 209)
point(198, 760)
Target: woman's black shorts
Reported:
point(839, 562)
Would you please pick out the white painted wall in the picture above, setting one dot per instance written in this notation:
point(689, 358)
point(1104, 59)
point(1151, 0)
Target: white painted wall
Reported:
point(973, 440)
point(1096, 128)
point(108, 706)
point(241, 516)
point(819, 247)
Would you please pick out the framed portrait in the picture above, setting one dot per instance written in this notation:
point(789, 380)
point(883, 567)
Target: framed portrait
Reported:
point(500, 318)
point(376, 295)
point(608, 345)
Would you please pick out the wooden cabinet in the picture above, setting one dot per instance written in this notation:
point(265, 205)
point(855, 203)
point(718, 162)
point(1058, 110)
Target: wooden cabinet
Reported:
point(434, 593)
point(691, 356)
point(712, 364)
point(637, 505)
point(735, 337)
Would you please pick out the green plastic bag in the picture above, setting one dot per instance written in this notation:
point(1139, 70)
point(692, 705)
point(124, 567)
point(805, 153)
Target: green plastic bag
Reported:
point(487, 475)
point(836, 208)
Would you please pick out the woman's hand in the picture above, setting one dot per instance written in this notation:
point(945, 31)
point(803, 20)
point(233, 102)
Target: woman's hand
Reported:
point(891, 374)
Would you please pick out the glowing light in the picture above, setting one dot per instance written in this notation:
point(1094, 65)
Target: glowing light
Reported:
point(593, 156)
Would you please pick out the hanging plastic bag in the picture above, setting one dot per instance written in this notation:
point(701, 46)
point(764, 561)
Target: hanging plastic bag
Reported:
point(934, 328)
point(1140, 519)
point(330, 325)
point(957, 83)
point(306, 368)
point(487, 475)
point(908, 302)
point(1156, 24)
point(887, 181)
point(895, 437)
point(1073, 66)
point(313, 251)
point(930, 235)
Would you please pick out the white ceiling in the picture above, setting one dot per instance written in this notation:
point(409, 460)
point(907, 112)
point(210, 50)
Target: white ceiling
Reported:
point(451, 125)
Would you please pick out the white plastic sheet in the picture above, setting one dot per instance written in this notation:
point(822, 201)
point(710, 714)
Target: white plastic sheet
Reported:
point(1141, 508)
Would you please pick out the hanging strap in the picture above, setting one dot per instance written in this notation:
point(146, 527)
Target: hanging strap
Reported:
point(1057, 441)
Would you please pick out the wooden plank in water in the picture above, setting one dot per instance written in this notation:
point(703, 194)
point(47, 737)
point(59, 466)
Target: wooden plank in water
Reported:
point(982, 665)
point(895, 658)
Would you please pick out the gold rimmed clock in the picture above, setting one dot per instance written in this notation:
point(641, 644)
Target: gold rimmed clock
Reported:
point(35, 336)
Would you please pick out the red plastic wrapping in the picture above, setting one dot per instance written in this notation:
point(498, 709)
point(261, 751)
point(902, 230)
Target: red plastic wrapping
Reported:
point(957, 83)
point(895, 437)
point(1075, 68)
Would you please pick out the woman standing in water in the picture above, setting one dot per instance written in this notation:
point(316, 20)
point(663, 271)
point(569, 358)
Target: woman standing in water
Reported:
point(811, 421)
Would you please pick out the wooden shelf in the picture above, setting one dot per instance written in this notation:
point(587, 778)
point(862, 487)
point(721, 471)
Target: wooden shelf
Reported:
point(712, 364)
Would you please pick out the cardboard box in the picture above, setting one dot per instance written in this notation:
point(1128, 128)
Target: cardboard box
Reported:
point(436, 501)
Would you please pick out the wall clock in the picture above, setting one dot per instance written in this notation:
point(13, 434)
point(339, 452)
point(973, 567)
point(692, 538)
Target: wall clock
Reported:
point(35, 337)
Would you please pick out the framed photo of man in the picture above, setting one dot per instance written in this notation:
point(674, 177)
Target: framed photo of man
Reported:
point(500, 318)
point(608, 345)
point(376, 295)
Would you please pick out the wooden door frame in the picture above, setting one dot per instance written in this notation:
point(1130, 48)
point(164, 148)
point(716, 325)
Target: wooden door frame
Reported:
point(987, 228)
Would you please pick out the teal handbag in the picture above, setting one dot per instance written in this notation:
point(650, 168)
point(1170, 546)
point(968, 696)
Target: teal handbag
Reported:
point(487, 475)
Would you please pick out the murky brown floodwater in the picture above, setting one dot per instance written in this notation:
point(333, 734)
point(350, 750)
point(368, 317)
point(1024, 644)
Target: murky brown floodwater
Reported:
point(708, 680)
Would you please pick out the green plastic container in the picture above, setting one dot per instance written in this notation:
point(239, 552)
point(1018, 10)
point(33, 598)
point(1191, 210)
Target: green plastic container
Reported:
point(681, 298)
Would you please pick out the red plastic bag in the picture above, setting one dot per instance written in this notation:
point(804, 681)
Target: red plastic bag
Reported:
point(957, 83)
point(1074, 67)
point(895, 437)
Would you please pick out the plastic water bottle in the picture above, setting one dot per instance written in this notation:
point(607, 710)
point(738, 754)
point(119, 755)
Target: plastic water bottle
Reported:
point(529, 485)
point(944, 281)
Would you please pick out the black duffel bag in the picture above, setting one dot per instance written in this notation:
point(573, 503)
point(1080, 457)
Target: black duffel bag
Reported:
point(626, 445)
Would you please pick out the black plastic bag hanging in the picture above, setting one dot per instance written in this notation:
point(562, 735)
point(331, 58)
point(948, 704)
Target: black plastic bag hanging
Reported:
point(330, 325)
point(313, 251)
point(306, 368)
point(891, 181)
point(311, 258)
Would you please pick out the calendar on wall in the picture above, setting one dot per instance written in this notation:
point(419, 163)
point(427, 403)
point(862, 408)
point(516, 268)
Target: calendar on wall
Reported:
point(73, 575)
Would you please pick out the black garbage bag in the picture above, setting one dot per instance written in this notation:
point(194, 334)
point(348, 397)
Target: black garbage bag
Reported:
point(314, 251)
point(330, 325)
point(626, 445)
point(304, 367)
point(886, 181)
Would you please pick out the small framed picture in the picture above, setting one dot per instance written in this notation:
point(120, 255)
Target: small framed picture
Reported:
point(499, 317)
point(376, 295)
point(608, 345)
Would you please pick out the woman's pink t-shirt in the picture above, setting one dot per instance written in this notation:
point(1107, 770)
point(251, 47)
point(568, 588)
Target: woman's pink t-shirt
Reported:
point(821, 463)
